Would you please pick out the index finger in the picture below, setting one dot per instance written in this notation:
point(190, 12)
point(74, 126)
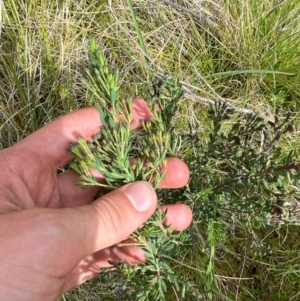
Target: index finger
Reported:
point(52, 141)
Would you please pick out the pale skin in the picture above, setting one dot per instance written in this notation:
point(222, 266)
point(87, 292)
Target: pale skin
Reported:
point(53, 235)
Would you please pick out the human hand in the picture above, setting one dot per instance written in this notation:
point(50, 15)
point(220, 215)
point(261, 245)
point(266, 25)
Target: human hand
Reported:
point(53, 236)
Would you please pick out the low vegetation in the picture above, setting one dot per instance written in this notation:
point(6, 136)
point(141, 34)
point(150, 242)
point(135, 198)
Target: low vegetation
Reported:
point(237, 123)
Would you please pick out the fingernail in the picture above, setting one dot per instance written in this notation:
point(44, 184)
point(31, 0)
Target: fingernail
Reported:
point(140, 194)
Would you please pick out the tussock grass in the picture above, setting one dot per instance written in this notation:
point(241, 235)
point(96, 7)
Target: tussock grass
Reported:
point(241, 51)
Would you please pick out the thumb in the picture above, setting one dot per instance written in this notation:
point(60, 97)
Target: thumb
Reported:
point(40, 242)
point(111, 218)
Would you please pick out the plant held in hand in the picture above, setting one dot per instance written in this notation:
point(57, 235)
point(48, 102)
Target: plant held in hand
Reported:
point(123, 155)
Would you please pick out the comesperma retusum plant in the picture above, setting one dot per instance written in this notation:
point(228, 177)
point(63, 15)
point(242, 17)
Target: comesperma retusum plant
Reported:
point(238, 169)
point(123, 155)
